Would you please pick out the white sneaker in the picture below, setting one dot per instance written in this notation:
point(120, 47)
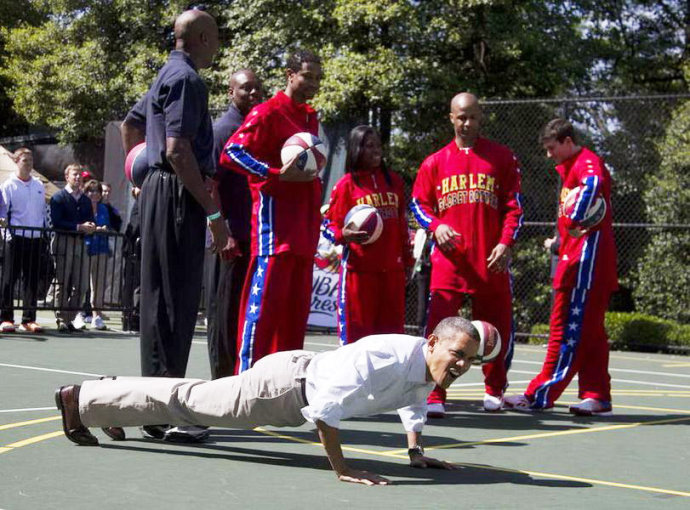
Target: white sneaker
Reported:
point(435, 411)
point(79, 322)
point(492, 404)
point(186, 434)
point(98, 323)
point(591, 407)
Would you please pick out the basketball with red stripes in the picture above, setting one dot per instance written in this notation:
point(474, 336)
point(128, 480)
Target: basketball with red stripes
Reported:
point(365, 218)
point(309, 149)
point(595, 212)
point(489, 342)
point(137, 165)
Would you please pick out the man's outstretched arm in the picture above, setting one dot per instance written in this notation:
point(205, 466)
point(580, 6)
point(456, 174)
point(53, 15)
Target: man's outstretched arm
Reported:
point(330, 439)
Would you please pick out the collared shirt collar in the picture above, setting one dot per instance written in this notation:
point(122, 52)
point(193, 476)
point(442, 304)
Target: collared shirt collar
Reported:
point(564, 166)
point(181, 55)
point(76, 194)
point(417, 367)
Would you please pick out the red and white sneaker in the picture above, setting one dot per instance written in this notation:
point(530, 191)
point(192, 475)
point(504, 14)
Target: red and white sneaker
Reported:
point(592, 407)
point(437, 410)
point(522, 404)
point(7, 327)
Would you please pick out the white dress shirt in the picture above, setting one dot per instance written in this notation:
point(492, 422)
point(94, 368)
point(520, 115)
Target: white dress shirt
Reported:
point(26, 204)
point(376, 374)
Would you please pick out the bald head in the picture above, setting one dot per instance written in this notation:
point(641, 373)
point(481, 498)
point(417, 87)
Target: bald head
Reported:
point(245, 90)
point(466, 116)
point(196, 33)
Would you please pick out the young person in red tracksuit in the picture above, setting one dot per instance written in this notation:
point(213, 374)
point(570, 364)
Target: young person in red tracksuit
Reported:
point(285, 216)
point(468, 196)
point(371, 294)
point(584, 280)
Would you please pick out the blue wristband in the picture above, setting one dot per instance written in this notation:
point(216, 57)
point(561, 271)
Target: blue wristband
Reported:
point(213, 216)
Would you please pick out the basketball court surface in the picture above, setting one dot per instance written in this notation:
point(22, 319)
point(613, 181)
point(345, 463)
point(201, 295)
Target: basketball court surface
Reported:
point(637, 458)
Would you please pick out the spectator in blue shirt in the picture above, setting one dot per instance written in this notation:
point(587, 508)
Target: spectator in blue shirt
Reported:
point(98, 250)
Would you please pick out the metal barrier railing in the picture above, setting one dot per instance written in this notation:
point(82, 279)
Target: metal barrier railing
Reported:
point(49, 269)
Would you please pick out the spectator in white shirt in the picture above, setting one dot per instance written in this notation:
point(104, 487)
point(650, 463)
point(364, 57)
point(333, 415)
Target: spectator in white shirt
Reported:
point(376, 374)
point(24, 206)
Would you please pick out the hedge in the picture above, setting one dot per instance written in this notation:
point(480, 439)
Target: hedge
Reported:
point(636, 331)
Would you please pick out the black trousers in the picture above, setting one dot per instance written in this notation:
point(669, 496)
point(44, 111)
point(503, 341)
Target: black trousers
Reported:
point(173, 227)
point(22, 259)
point(224, 283)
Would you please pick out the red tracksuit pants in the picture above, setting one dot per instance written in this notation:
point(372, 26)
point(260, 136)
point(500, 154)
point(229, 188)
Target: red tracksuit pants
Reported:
point(274, 308)
point(370, 303)
point(578, 344)
point(496, 308)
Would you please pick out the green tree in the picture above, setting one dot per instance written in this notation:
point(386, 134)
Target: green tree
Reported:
point(664, 280)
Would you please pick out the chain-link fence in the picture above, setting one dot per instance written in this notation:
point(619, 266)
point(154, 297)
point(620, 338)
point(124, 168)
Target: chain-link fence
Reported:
point(625, 131)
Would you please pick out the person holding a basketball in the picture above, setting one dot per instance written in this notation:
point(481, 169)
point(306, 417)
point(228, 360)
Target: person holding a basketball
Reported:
point(468, 196)
point(584, 280)
point(285, 215)
point(371, 294)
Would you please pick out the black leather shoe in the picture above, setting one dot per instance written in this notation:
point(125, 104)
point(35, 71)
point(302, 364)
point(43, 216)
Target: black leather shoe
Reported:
point(67, 401)
point(154, 431)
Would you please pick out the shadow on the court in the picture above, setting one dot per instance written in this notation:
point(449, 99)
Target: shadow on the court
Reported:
point(465, 474)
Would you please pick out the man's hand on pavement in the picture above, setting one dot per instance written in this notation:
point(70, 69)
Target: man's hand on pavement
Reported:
point(364, 477)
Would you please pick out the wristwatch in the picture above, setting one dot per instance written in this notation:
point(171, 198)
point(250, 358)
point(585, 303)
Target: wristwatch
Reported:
point(415, 450)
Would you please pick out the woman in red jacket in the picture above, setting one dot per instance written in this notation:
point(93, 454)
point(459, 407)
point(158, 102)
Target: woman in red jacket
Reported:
point(371, 296)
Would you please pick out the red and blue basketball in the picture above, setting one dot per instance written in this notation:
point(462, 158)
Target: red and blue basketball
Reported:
point(489, 341)
point(365, 218)
point(309, 149)
point(594, 213)
point(137, 165)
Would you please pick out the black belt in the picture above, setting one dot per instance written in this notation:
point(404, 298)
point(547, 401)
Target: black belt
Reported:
point(303, 386)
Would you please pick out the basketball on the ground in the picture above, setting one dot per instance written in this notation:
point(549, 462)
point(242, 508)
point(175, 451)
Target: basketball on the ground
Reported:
point(310, 150)
point(595, 209)
point(365, 218)
point(137, 165)
point(489, 341)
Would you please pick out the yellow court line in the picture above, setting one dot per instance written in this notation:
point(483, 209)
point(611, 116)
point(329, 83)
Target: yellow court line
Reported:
point(30, 422)
point(31, 440)
point(578, 479)
point(567, 432)
point(677, 365)
point(314, 443)
point(507, 470)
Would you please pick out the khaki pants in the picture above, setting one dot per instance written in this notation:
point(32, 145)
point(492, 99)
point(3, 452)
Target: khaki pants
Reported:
point(72, 273)
point(97, 266)
point(270, 393)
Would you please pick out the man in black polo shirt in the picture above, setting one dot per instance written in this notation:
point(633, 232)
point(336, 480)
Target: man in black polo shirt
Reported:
point(175, 204)
point(225, 278)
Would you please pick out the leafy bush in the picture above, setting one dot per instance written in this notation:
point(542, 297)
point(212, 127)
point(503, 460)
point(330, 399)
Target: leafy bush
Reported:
point(633, 331)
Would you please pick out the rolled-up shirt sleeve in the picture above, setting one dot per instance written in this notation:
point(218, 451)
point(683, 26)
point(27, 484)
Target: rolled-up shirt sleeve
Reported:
point(413, 417)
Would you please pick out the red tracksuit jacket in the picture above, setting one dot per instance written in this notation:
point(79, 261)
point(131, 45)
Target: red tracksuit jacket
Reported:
point(593, 255)
point(285, 215)
point(389, 252)
point(477, 192)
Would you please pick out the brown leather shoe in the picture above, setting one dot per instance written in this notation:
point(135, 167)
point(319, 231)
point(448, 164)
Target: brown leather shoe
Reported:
point(67, 401)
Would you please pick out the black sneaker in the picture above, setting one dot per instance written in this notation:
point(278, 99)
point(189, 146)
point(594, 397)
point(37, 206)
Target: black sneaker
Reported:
point(63, 327)
point(154, 431)
point(186, 434)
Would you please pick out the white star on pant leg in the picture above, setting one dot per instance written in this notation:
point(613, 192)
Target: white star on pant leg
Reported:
point(253, 308)
point(571, 342)
point(256, 289)
point(259, 271)
point(572, 326)
point(576, 311)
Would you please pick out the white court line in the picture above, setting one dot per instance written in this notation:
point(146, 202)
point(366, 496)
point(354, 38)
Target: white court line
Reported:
point(49, 370)
point(28, 409)
point(646, 372)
